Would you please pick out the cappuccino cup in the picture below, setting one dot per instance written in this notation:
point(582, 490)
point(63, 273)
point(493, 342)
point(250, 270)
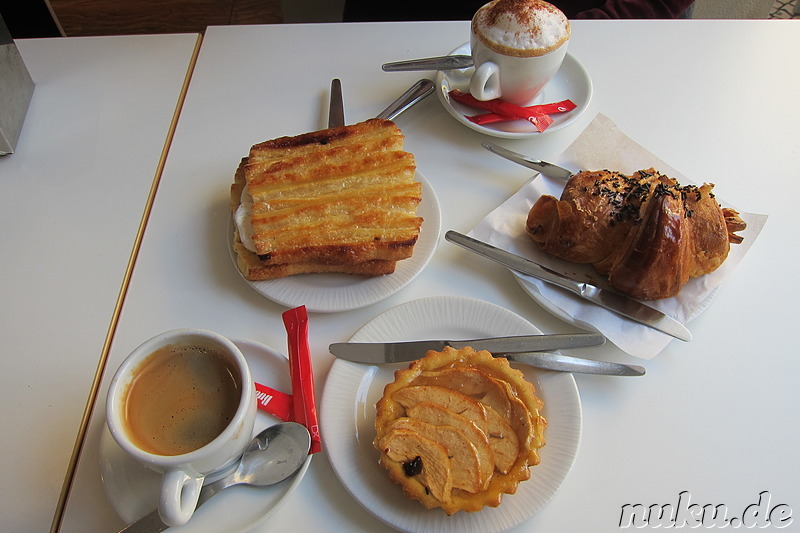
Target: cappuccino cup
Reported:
point(517, 47)
point(183, 403)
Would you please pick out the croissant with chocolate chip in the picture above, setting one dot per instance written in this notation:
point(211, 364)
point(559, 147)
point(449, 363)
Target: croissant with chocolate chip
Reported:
point(648, 234)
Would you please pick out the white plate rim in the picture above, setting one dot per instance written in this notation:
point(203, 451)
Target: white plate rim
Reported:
point(344, 292)
point(346, 411)
point(571, 66)
point(128, 505)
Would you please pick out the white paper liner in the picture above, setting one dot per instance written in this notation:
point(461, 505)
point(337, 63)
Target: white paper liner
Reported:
point(603, 146)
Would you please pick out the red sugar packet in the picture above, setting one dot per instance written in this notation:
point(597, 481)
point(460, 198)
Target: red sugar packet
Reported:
point(302, 374)
point(275, 402)
point(499, 110)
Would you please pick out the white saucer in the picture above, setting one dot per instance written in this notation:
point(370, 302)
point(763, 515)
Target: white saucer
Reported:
point(326, 293)
point(348, 417)
point(570, 82)
point(133, 489)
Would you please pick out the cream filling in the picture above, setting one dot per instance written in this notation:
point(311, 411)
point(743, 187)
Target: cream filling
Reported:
point(242, 220)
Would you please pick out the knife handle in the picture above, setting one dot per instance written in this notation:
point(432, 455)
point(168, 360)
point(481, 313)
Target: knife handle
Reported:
point(566, 363)
point(532, 343)
point(515, 262)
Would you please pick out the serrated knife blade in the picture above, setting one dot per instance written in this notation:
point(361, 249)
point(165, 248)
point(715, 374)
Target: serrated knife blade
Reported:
point(618, 303)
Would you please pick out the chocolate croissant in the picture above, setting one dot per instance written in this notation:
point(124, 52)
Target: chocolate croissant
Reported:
point(648, 234)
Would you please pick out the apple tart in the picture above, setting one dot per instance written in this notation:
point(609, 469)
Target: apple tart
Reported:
point(457, 429)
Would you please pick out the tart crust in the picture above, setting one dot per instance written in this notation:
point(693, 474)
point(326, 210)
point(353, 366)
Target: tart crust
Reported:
point(446, 416)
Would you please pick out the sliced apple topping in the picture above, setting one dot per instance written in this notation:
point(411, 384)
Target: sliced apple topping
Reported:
point(458, 428)
point(403, 445)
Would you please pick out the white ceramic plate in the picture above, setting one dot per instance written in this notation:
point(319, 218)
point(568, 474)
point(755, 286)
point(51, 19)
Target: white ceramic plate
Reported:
point(348, 416)
point(325, 293)
point(133, 489)
point(571, 82)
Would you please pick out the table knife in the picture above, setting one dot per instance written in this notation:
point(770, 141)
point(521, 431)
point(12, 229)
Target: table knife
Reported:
point(398, 352)
point(566, 363)
point(430, 63)
point(548, 169)
point(613, 301)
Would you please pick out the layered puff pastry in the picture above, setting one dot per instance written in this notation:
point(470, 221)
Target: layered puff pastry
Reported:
point(336, 200)
point(648, 234)
point(457, 429)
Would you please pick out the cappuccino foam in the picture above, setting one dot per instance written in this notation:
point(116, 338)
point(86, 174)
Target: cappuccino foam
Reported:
point(521, 27)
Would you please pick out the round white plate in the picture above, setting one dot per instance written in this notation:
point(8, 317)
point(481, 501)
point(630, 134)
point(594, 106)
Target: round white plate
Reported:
point(348, 416)
point(133, 489)
point(571, 82)
point(326, 293)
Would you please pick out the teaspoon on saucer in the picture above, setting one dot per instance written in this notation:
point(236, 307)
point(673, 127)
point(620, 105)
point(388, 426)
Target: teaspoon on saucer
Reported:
point(271, 457)
point(430, 63)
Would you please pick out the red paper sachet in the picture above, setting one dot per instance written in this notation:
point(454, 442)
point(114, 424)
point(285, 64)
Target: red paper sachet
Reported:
point(302, 374)
point(499, 110)
point(545, 109)
point(275, 402)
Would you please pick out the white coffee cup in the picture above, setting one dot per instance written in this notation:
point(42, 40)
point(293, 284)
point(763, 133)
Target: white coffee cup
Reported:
point(211, 434)
point(517, 48)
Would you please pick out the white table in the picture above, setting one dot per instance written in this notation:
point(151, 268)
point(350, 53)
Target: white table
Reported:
point(71, 200)
point(714, 417)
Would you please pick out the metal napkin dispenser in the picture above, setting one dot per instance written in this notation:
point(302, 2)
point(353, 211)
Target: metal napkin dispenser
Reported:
point(16, 90)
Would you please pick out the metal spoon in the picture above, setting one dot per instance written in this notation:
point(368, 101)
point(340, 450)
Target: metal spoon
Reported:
point(430, 63)
point(548, 169)
point(272, 456)
point(416, 93)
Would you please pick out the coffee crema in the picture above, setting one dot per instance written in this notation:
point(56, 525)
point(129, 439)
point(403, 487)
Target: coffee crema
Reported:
point(521, 28)
point(181, 398)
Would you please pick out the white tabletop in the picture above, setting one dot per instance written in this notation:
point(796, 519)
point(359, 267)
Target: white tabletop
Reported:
point(71, 199)
point(713, 417)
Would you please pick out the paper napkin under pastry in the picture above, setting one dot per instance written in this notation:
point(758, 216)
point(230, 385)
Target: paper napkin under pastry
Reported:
point(603, 146)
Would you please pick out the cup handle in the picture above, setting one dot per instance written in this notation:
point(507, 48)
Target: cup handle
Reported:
point(485, 82)
point(179, 494)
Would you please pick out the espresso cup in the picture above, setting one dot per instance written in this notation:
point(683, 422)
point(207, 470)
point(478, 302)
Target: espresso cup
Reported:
point(517, 47)
point(183, 403)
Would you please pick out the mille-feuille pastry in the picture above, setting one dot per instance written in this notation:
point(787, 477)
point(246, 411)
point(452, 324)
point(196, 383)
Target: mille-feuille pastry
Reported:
point(337, 200)
point(648, 234)
point(457, 429)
